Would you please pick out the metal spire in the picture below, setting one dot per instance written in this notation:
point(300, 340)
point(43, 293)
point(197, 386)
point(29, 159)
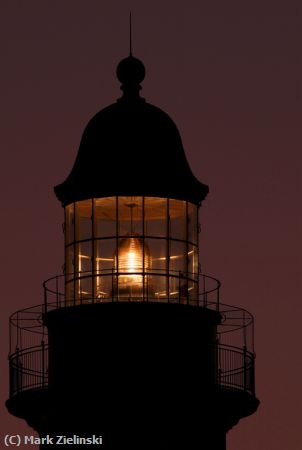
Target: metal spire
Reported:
point(130, 34)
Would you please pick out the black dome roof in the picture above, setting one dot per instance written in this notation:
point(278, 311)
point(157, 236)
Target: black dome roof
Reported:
point(131, 148)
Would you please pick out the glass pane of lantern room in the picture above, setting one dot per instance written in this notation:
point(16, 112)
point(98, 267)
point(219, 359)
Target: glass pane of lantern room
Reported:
point(69, 292)
point(130, 215)
point(177, 270)
point(69, 224)
point(84, 254)
point(155, 217)
point(69, 274)
point(69, 261)
point(105, 217)
point(193, 275)
point(192, 223)
point(83, 222)
point(178, 219)
point(156, 282)
point(177, 258)
point(193, 261)
point(104, 267)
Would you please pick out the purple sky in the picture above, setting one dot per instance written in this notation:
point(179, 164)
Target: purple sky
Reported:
point(229, 74)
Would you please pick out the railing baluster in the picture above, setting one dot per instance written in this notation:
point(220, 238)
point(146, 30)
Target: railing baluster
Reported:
point(43, 364)
point(28, 366)
point(244, 368)
point(57, 292)
point(17, 370)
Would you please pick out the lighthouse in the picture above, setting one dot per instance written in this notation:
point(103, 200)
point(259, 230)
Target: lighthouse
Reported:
point(132, 346)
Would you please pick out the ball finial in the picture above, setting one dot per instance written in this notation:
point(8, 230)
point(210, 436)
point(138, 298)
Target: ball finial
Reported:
point(130, 72)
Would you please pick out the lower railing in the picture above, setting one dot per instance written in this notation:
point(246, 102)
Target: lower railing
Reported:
point(234, 369)
point(110, 286)
point(28, 369)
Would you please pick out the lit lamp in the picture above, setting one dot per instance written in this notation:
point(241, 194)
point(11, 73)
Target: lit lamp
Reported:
point(131, 261)
point(131, 266)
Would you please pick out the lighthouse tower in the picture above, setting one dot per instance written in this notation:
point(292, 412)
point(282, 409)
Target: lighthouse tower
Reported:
point(132, 347)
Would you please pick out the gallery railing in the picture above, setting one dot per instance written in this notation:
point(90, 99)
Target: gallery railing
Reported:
point(29, 337)
point(154, 285)
point(29, 369)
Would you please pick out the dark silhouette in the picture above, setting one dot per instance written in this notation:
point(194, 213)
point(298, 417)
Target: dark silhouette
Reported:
point(136, 346)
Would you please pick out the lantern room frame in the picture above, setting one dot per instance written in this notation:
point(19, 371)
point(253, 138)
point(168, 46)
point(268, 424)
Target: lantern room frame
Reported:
point(165, 229)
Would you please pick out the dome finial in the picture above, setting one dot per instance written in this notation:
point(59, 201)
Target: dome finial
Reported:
point(130, 71)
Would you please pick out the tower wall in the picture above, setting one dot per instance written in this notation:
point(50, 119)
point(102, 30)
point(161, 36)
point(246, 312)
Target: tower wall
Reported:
point(132, 368)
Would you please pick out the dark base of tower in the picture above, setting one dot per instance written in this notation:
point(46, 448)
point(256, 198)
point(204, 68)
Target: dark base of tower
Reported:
point(174, 427)
point(141, 375)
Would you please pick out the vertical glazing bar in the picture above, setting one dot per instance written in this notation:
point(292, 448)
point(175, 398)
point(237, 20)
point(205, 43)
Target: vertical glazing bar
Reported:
point(74, 254)
point(65, 255)
point(168, 249)
point(116, 250)
point(93, 253)
point(179, 287)
point(197, 242)
point(143, 231)
point(187, 253)
point(147, 289)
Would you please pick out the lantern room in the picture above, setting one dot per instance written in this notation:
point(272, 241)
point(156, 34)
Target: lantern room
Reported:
point(131, 205)
point(131, 248)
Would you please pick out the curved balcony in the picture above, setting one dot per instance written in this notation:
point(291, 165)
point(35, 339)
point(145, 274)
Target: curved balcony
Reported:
point(29, 369)
point(234, 340)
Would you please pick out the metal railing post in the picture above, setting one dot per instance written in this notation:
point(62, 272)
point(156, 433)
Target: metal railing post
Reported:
point(43, 363)
point(45, 299)
point(204, 291)
point(57, 292)
point(252, 376)
point(218, 298)
point(244, 368)
point(17, 370)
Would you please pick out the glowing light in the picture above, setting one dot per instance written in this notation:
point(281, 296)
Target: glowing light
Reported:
point(132, 260)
